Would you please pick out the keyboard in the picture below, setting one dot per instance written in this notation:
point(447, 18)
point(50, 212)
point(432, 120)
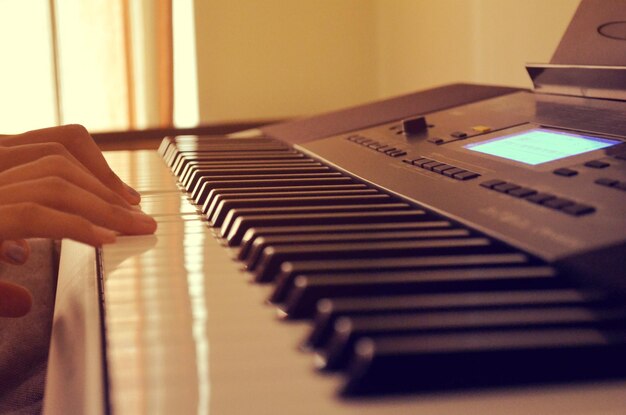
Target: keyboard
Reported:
point(386, 269)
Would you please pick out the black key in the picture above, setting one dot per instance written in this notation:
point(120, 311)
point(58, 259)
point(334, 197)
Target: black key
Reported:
point(308, 290)
point(198, 174)
point(328, 179)
point(210, 205)
point(235, 214)
point(273, 256)
point(185, 174)
point(290, 270)
point(225, 206)
point(348, 330)
point(242, 224)
point(446, 361)
point(219, 194)
point(263, 242)
point(289, 231)
point(328, 311)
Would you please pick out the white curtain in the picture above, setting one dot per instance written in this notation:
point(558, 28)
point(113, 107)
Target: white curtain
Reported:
point(107, 64)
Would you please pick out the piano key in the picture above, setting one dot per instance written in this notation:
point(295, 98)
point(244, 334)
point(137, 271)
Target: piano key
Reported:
point(225, 206)
point(204, 188)
point(452, 361)
point(273, 256)
point(242, 224)
point(261, 243)
point(189, 166)
point(275, 192)
point(290, 270)
point(179, 164)
point(289, 231)
point(307, 290)
point(234, 214)
point(329, 310)
point(208, 173)
point(348, 330)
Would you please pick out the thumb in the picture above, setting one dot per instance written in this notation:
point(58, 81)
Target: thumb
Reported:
point(14, 252)
point(15, 300)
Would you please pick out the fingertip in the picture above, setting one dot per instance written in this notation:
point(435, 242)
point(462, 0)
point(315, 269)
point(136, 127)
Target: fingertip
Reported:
point(15, 252)
point(103, 235)
point(132, 195)
point(15, 300)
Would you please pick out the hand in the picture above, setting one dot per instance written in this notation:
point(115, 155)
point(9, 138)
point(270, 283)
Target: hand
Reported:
point(55, 183)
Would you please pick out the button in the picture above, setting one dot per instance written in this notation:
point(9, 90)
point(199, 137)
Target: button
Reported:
point(458, 134)
point(397, 153)
point(557, 203)
point(436, 140)
point(375, 145)
point(565, 172)
point(440, 169)
point(365, 141)
point(505, 187)
point(465, 175)
point(578, 209)
point(430, 165)
point(489, 184)
point(384, 148)
point(606, 182)
point(540, 197)
point(354, 137)
point(389, 150)
point(452, 172)
point(522, 192)
point(421, 162)
point(597, 164)
point(414, 125)
point(482, 129)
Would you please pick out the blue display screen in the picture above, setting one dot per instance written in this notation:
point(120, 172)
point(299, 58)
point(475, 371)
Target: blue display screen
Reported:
point(540, 145)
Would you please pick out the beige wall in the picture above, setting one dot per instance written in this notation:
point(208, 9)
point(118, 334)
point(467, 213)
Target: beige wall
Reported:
point(425, 43)
point(284, 58)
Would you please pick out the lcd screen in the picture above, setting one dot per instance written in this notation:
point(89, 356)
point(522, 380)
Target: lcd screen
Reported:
point(540, 145)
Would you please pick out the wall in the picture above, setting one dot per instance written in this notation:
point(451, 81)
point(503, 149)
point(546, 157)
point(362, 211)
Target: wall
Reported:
point(285, 58)
point(424, 43)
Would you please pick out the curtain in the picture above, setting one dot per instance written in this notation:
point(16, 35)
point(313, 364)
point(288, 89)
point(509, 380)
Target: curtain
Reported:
point(113, 61)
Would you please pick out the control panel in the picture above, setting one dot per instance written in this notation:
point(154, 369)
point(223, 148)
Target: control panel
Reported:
point(524, 167)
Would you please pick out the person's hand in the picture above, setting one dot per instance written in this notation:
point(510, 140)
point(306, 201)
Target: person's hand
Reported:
point(55, 183)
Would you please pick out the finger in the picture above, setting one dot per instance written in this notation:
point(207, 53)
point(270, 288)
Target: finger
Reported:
point(14, 252)
point(76, 139)
point(58, 166)
point(15, 300)
point(27, 220)
point(64, 196)
point(16, 155)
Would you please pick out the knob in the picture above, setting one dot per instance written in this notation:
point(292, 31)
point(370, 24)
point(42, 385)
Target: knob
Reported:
point(414, 125)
